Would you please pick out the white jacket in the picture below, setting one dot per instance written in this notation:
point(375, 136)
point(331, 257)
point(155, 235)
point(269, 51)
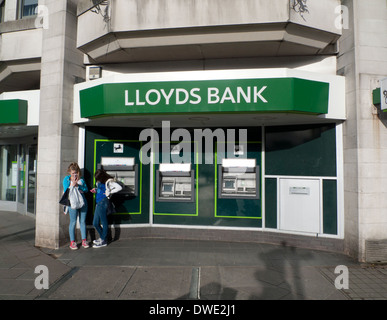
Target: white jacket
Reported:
point(111, 187)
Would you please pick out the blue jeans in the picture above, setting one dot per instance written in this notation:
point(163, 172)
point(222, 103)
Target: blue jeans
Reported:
point(82, 220)
point(100, 217)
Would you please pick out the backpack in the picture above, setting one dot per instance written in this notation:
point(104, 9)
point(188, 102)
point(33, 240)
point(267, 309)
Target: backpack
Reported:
point(111, 207)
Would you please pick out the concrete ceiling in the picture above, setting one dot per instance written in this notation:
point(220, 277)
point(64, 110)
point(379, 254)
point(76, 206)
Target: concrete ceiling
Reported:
point(17, 132)
point(209, 120)
point(20, 75)
point(268, 40)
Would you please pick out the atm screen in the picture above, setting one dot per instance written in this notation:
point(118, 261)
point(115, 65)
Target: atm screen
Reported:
point(168, 187)
point(229, 184)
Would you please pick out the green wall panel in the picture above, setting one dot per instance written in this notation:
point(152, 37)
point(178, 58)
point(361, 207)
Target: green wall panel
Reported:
point(104, 148)
point(99, 142)
point(271, 203)
point(330, 206)
point(177, 208)
point(308, 150)
point(234, 215)
point(240, 208)
point(293, 150)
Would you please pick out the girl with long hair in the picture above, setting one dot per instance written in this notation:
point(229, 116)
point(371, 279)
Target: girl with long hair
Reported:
point(74, 180)
point(105, 187)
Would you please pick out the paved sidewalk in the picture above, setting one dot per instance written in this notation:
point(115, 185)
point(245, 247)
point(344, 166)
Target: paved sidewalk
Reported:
point(162, 269)
point(19, 258)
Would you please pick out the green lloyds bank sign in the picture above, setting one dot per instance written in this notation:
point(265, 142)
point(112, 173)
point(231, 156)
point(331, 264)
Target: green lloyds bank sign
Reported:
point(13, 112)
point(206, 96)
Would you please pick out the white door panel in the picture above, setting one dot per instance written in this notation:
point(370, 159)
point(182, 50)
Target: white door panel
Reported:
point(299, 205)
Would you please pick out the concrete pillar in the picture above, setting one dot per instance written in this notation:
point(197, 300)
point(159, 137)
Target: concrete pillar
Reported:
point(362, 59)
point(58, 137)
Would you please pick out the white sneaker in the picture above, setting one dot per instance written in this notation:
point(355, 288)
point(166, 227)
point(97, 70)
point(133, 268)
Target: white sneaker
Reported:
point(98, 241)
point(100, 244)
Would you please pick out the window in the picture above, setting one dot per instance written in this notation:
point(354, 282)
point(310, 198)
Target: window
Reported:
point(27, 8)
point(22, 174)
point(32, 166)
point(2, 6)
point(8, 172)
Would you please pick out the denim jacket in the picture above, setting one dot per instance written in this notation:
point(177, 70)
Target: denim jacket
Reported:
point(81, 184)
point(106, 190)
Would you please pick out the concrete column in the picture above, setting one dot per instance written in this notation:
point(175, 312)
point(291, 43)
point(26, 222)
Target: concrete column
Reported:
point(362, 59)
point(347, 67)
point(10, 10)
point(58, 137)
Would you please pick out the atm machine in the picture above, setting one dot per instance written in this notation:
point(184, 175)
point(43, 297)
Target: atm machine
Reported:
point(125, 172)
point(238, 179)
point(175, 182)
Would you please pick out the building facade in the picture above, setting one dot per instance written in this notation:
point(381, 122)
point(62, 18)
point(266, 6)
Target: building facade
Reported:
point(223, 120)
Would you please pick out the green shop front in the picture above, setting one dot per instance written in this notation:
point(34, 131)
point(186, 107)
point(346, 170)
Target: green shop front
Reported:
point(241, 150)
point(18, 150)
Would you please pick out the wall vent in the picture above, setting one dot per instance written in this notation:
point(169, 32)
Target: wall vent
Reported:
point(376, 250)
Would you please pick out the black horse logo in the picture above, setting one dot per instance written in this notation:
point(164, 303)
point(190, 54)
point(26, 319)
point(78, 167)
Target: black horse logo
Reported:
point(118, 147)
